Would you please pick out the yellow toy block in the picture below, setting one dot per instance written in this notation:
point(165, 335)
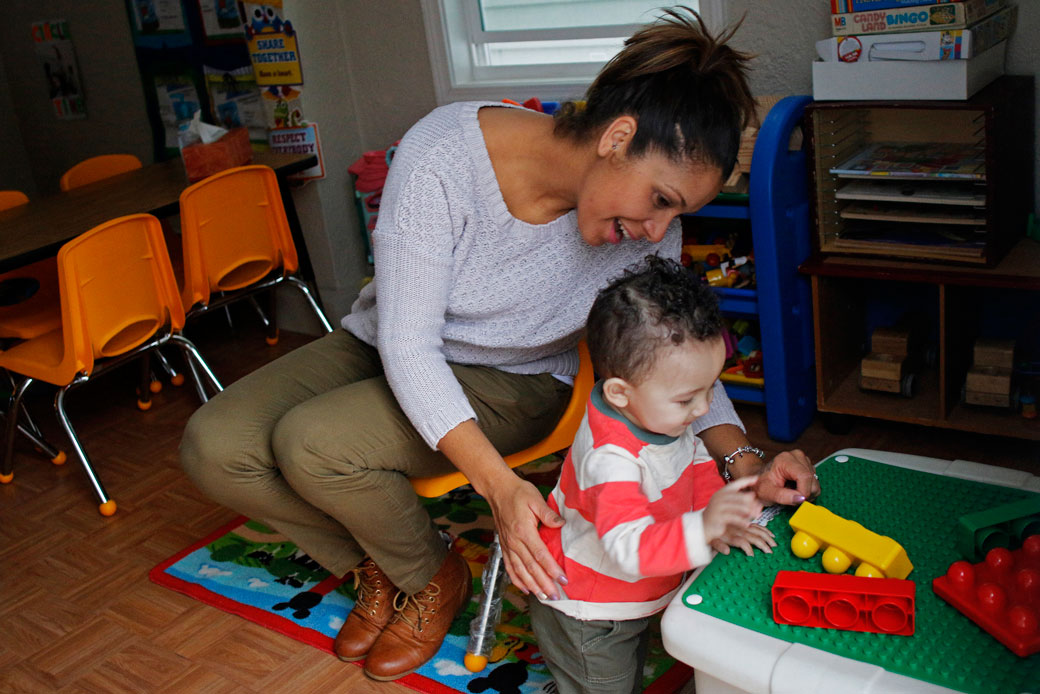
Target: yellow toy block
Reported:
point(846, 542)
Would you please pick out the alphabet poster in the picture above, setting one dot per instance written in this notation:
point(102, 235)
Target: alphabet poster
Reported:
point(54, 49)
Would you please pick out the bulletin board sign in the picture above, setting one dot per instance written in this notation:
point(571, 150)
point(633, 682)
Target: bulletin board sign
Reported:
point(53, 45)
point(303, 140)
point(272, 46)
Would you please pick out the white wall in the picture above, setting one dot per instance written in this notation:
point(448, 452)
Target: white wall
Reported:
point(366, 80)
point(15, 172)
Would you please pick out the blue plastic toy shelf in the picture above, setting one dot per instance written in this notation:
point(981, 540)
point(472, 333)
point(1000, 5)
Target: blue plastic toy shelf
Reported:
point(777, 207)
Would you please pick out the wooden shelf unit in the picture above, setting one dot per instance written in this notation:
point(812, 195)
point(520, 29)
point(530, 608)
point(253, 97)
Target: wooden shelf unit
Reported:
point(958, 298)
point(997, 123)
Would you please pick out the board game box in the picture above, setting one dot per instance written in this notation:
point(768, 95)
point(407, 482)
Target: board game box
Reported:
point(952, 44)
point(955, 15)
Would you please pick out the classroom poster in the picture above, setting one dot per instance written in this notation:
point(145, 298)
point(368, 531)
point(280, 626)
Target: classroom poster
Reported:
point(236, 101)
point(158, 24)
point(272, 45)
point(220, 19)
point(303, 140)
point(54, 49)
point(158, 16)
point(178, 102)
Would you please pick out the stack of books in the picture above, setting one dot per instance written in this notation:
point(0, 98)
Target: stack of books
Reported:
point(912, 49)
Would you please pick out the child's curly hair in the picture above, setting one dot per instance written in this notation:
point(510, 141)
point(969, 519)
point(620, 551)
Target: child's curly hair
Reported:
point(653, 304)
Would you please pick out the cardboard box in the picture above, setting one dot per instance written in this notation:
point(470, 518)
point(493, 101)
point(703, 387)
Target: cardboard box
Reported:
point(954, 44)
point(942, 80)
point(957, 15)
point(839, 6)
point(234, 149)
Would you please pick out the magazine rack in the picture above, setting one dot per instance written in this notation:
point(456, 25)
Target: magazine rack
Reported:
point(947, 181)
point(777, 207)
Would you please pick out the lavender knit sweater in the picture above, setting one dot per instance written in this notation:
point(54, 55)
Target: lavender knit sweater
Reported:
point(459, 279)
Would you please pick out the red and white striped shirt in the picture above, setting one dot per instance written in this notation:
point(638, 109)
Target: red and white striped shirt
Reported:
point(632, 503)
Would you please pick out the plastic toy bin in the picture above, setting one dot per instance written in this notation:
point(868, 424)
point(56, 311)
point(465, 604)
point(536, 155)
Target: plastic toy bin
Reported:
point(721, 622)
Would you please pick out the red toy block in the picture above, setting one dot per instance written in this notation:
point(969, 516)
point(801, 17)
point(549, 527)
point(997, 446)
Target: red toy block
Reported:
point(842, 601)
point(1000, 594)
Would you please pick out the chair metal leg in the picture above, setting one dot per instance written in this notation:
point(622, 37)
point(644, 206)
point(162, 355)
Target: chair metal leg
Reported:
point(144, 384)
point(176, 378)
point(13, 405)
point(57, 457)
point(194, 360)
point(107, 506)
point(482, 627)
point(309, 294)
point(269, 321)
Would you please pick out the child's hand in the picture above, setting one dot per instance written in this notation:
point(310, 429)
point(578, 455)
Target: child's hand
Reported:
point(744, 538)
point(731, 510)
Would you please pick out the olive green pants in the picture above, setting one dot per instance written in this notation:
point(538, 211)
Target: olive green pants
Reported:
point(315, 446)
point(591, 657)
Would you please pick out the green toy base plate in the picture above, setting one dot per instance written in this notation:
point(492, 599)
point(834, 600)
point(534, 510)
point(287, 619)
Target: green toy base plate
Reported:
point(918, 510)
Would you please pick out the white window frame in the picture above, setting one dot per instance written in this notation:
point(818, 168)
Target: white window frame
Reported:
point(450, 24)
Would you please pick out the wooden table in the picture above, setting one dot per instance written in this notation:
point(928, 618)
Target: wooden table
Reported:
point(38, 229)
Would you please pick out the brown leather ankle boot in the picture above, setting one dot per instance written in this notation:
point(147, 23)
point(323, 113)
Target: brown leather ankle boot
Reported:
point(421, 622)
point(372, 611)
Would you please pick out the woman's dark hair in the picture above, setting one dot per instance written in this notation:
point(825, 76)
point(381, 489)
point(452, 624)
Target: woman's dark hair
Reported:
point(657, 303)
point(686, 88)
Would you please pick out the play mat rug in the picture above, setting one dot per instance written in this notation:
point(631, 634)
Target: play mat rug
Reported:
point(249, 570)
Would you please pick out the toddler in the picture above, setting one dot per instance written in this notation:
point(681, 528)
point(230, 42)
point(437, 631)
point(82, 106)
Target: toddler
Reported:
point(642, 499)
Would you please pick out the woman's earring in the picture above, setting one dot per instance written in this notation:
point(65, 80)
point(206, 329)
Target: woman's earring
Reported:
point(614, 146)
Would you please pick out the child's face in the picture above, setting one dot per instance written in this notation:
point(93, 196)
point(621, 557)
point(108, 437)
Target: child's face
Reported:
point(677, 390)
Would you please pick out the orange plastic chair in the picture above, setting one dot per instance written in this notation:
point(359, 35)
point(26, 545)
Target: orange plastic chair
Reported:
point(29, 294)
point(98, 168)
point(118, 301)
point(481, 630)
point(237, 242)
point(12, 198)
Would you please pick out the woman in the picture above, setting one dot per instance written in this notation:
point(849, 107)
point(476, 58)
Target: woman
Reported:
point(497, 227)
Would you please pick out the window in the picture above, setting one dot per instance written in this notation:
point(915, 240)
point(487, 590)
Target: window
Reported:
point(552, 49)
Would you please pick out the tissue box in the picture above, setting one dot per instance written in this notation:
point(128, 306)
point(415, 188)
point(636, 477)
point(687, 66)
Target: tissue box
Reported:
point(201, 160)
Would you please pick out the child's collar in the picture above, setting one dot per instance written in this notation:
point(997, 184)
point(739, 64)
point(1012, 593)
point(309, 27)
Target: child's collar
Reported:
point(650, 437)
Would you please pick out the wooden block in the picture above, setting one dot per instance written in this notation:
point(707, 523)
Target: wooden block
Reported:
point(991, 399)
point(988, 379)
point(885, 384)
point(995, 353)
point(890, 341)
point(884, 366)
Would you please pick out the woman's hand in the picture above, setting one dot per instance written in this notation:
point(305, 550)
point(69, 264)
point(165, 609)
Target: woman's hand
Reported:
point(790, 465)
point(518, 509)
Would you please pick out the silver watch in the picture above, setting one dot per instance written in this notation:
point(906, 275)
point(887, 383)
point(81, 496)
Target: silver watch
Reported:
point(739, 453)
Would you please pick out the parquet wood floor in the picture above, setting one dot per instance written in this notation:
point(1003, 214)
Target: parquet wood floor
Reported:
point(78, 614)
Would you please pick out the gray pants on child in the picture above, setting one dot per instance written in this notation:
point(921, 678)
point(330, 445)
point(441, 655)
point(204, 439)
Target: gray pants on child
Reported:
point(591, 657)
point(315, 446)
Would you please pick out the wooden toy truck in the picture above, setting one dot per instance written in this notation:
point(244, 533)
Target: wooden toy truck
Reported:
point(892, 362)
point(989, 379)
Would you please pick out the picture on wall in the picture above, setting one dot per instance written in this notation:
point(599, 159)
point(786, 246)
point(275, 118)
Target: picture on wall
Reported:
point(64, 85)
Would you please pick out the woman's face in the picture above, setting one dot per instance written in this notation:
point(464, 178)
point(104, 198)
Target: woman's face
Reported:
point(623, 198)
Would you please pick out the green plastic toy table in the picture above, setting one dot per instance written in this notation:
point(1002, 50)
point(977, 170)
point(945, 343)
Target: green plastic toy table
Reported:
point(721, 622)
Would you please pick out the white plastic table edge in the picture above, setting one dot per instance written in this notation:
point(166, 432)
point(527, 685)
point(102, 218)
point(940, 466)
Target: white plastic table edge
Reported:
point(781, 667)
